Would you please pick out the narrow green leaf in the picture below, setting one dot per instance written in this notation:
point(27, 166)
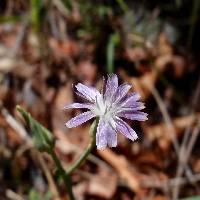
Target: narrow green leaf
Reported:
point(68, 4)
point(42, 137)
point(112, 43)
point(36, 7)
point(48, 196)
point(192, 198)
point(122, 5)
point(9, 19)
point(34, 195)
point(178, 3)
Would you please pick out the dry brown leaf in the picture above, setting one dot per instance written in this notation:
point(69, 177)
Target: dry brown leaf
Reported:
point(7, 64)
point(65, 48)
point(164, 46)
point(80, 190)
point(160, 131)
point(86, 72)
point(144, 84)
point(179, 65)
point(103, 184)
point(59, 116)
point(196, 166)
point(136, 54)
point(126, 171)
point(150, 158)
point(13, 138)
point(160, 197)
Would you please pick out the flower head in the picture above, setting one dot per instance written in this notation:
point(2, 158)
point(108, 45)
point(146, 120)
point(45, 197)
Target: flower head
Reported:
point(109, 106)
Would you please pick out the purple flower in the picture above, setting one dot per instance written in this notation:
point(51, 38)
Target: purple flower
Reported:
point(112, 105)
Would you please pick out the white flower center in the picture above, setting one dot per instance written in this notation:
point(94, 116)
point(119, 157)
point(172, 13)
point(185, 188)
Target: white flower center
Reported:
point(105, 109)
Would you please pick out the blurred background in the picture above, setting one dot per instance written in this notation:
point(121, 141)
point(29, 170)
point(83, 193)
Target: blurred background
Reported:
point(48, 46)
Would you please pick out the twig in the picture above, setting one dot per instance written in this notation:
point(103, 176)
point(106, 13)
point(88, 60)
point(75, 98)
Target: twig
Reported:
point(61, 7)
point(53, 25)
point(155, 183)
point(48, 175)
point(182, 157)
point(20, 36)
point(193, 139)
point(172, 133)
point(16, 126)
point(167, 119)
point(150, 195)
point(13, 196)
point(176, 182)
point(180, 124)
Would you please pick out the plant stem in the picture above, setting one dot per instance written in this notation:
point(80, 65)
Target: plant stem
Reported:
point(87, 150)
point(64, 175)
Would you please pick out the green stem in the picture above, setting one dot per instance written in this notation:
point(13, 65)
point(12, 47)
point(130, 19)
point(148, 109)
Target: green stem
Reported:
point(64, 175)
point(87, 150)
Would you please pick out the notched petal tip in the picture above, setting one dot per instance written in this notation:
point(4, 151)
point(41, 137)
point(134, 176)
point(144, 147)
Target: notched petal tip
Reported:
point(68, 125)
point(122, 91)
point(66, 107)
point(106, 136)
point(101, 147)
point(87, 92)
point(112, 145)
point(126, 130)
point(145, 116)
point(134, 137)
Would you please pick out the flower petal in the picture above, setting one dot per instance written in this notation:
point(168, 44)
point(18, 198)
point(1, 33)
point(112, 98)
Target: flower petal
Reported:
point(111, 86)
point(112, 137)
point(79, 119)
point(101, 140)
point(78, 105)
point(122, 90)
point(131, 99)
point(87, 92)
point(134, 107)
point(125, 129)
point(105, 135)
point(135, 115)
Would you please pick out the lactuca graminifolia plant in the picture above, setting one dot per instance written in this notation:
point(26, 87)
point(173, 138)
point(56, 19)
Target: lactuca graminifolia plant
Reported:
point(110, 105)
